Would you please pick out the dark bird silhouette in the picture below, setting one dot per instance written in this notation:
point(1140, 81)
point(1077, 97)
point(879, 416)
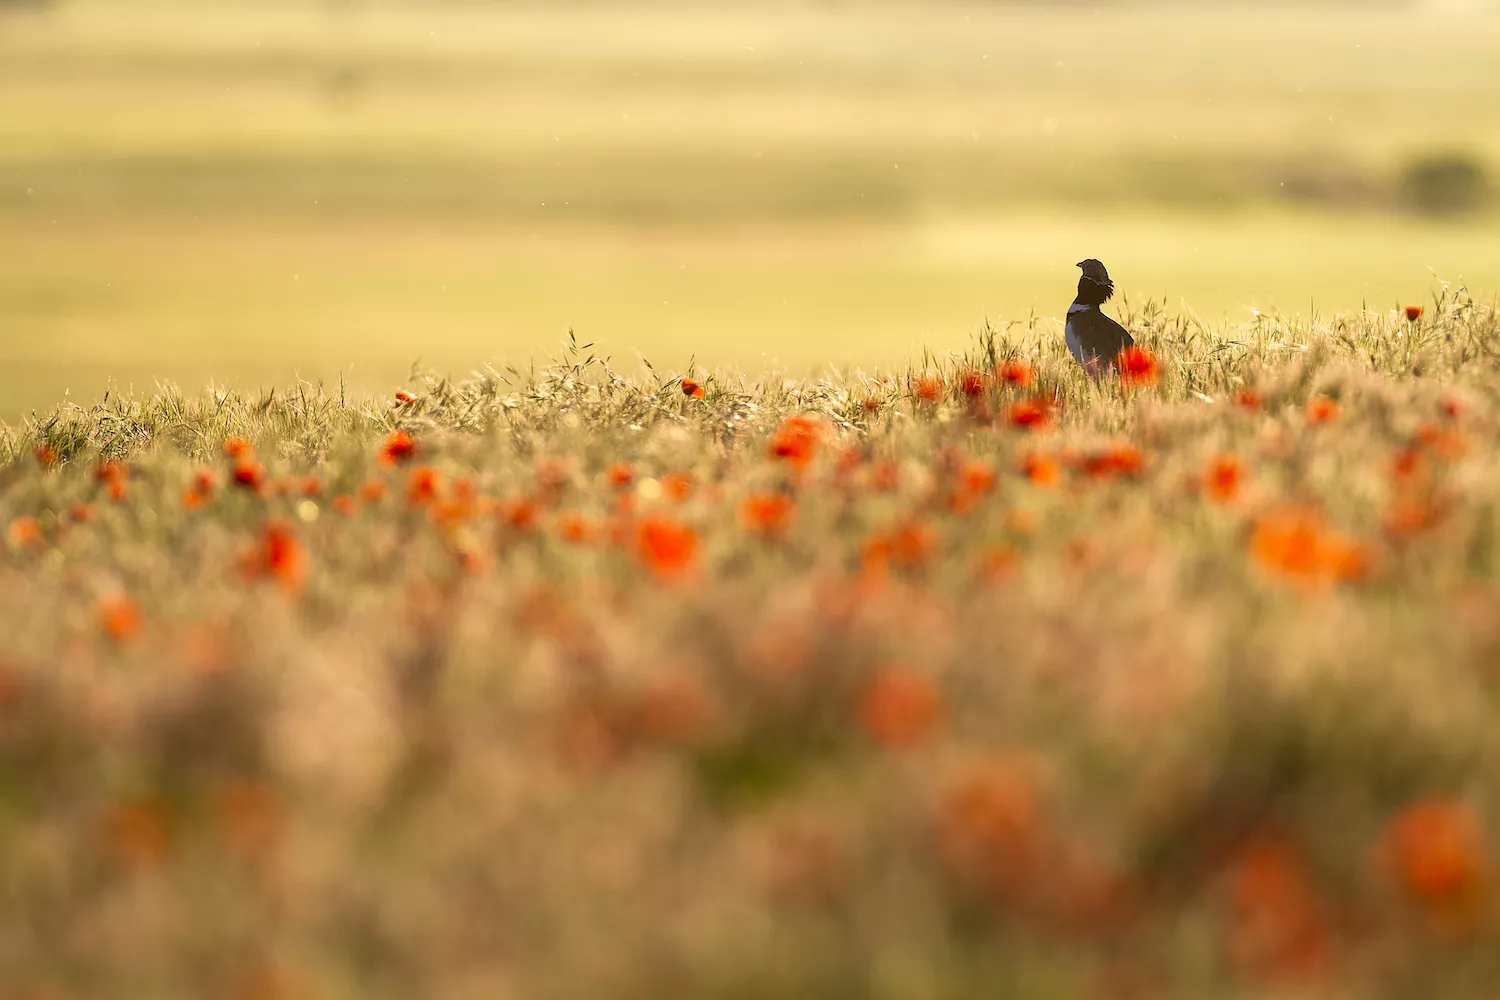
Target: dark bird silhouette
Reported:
point(1093, 338)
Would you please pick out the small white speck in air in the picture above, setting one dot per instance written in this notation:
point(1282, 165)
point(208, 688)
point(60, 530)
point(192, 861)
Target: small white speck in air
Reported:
point(307, 511)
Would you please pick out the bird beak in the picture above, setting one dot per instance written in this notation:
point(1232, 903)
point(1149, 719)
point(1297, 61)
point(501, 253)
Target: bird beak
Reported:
point(1079, 264)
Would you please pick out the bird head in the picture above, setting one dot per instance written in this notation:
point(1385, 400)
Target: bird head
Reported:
point(1094, 271)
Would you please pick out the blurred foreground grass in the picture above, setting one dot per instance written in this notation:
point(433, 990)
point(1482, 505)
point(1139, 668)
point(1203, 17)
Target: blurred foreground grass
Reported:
point(977, 679)
point(242, 192)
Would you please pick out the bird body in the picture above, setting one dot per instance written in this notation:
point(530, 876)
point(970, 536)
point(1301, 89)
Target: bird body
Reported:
point(1092, 337)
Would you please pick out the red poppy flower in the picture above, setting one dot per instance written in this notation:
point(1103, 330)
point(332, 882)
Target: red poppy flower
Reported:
point(343, 504)
point(619, 475)
point(900, 707)
point(403, 397)
point(871, 403)
point(1031, 414)
point(973, 382)
point(237, 447)
point(423, 485)
point(399, 446)
point(676, 486)
point(248, 473)
point(1279, 929)
point(1413, 313)
point(46, 455)
point(796, 440)
point(1043, 470)
point(1137, 366)
point(928, 388)
point(372, 491)
point(766, 513)
point(1119, 459)
point(1321, 409)
point(1249, 399)
point(520, 513)
point(280, 555)
point(1223, 477)
point(666, 546)
point(691, 388)
point(1014, 371)
point(1435, 850)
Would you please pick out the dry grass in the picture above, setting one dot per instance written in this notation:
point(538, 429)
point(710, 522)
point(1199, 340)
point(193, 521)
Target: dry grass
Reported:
point(818, 688)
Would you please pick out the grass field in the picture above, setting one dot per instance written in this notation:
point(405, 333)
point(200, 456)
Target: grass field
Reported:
point(248, 192)
point(975, 680)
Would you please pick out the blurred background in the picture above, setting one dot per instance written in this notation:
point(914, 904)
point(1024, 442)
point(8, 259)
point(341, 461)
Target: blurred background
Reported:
point(253, 191)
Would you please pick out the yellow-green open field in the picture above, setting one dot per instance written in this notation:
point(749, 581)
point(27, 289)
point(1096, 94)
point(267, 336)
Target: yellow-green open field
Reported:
point(247, 192)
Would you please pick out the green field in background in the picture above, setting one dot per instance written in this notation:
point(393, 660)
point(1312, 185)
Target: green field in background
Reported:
point(248, 193)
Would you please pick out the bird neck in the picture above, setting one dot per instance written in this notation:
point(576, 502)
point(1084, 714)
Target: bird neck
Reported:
point(1094, 293)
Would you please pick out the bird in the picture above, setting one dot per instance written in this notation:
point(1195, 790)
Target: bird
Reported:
point(1092, 337)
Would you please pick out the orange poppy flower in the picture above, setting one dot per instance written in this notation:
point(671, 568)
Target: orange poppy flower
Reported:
point(1014, 371)
point(1413, 313)
point(137, 833)
point(23, 531)
point(1223, 478)
point(999, 563)
point(990, 828)
point(398, 446)
point(1031, 414)
point(238, 447)
point(673, 710)
point(1435, 850)
point(676, 486)
point(796, 440)
point(1137, 366)
point(1321, 409)
point(403, 397)
point(119, 618)
point(667, 547)
point(928, 388)
point(343, 504)
point(114, 475)
point(691, 388)
point(251, 816)
point(372, 491)
point(766, 513)
point(1249, 399)
point(423, 485)
point(885, 475)
point(81, 512)
point(278, 555)
point(1041, 469)
point(46, 455)
point(900, 707)
point(1294, 542)
point(973, 382)
point(574, 527)
point(871, 403)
